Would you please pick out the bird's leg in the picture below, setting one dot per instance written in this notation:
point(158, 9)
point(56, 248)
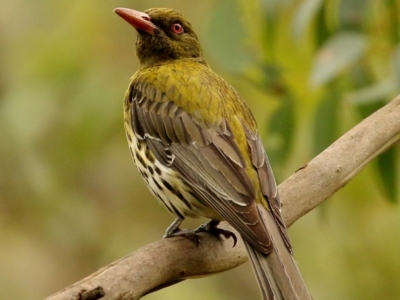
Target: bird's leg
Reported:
point(211, 227)
point(173, 230)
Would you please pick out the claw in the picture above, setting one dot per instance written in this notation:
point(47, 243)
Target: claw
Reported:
point(211, 227)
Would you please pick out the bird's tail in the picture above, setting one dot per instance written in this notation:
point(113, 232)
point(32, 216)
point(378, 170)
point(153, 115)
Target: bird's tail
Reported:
point(277, 274)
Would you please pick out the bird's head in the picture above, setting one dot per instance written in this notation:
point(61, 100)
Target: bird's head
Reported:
point(163, 35)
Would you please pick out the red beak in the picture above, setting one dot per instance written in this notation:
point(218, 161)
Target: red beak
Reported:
point(139, 20)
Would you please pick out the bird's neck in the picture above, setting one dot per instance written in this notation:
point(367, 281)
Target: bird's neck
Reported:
point(150, 63)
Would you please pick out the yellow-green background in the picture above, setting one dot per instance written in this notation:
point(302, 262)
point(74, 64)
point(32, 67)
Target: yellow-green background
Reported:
point(71, 201)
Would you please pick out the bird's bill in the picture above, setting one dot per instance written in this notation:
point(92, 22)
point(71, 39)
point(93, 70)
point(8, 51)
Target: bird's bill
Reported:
point(139, 20)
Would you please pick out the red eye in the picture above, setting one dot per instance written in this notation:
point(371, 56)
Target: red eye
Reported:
point(177, 28)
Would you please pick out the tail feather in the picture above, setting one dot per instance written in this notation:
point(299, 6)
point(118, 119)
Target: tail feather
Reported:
point(264, 275)
point(276, 272)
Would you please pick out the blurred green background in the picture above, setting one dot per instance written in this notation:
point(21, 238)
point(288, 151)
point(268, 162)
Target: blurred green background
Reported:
point(71, 201)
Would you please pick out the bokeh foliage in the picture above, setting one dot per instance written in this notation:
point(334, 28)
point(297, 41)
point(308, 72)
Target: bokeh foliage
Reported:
point(71, 200)
point(354, 64)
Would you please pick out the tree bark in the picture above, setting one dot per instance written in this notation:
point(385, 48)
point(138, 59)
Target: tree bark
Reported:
point(169, 261)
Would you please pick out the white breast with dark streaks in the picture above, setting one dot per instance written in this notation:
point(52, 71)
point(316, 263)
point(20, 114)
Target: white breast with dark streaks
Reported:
point(165, 183)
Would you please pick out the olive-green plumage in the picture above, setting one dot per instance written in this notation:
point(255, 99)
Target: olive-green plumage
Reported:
point(196, 144)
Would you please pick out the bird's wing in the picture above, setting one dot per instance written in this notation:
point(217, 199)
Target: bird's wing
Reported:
point(209, 160)
point(267, 181)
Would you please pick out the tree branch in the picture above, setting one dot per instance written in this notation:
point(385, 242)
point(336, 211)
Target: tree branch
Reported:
point(169, 261)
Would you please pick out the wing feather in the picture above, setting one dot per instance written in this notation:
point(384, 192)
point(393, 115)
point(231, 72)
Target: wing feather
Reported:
point(267, 180)
point(208, 158)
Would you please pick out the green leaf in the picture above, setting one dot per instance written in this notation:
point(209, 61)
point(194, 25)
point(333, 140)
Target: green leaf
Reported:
point(392, 20)
point(281, 130)
point(367, 108)
point(352, 14)
point(272, 7)
point(303, 17)
point(226, 36)
point(372, 93)
point(339, 52)
point(387, 166)
point(320, 29)
point(325, 122)
point(271, 12)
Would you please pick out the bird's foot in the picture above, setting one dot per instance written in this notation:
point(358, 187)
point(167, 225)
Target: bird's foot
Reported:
point(211, 227)
point(173, 230)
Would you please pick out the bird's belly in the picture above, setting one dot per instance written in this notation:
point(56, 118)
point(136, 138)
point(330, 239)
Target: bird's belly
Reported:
point(167, 185)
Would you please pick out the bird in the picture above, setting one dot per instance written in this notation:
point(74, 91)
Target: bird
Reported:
point(196, 144)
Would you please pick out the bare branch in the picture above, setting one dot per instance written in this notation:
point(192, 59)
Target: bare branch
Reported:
point(335, 166)
point(169, 261)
